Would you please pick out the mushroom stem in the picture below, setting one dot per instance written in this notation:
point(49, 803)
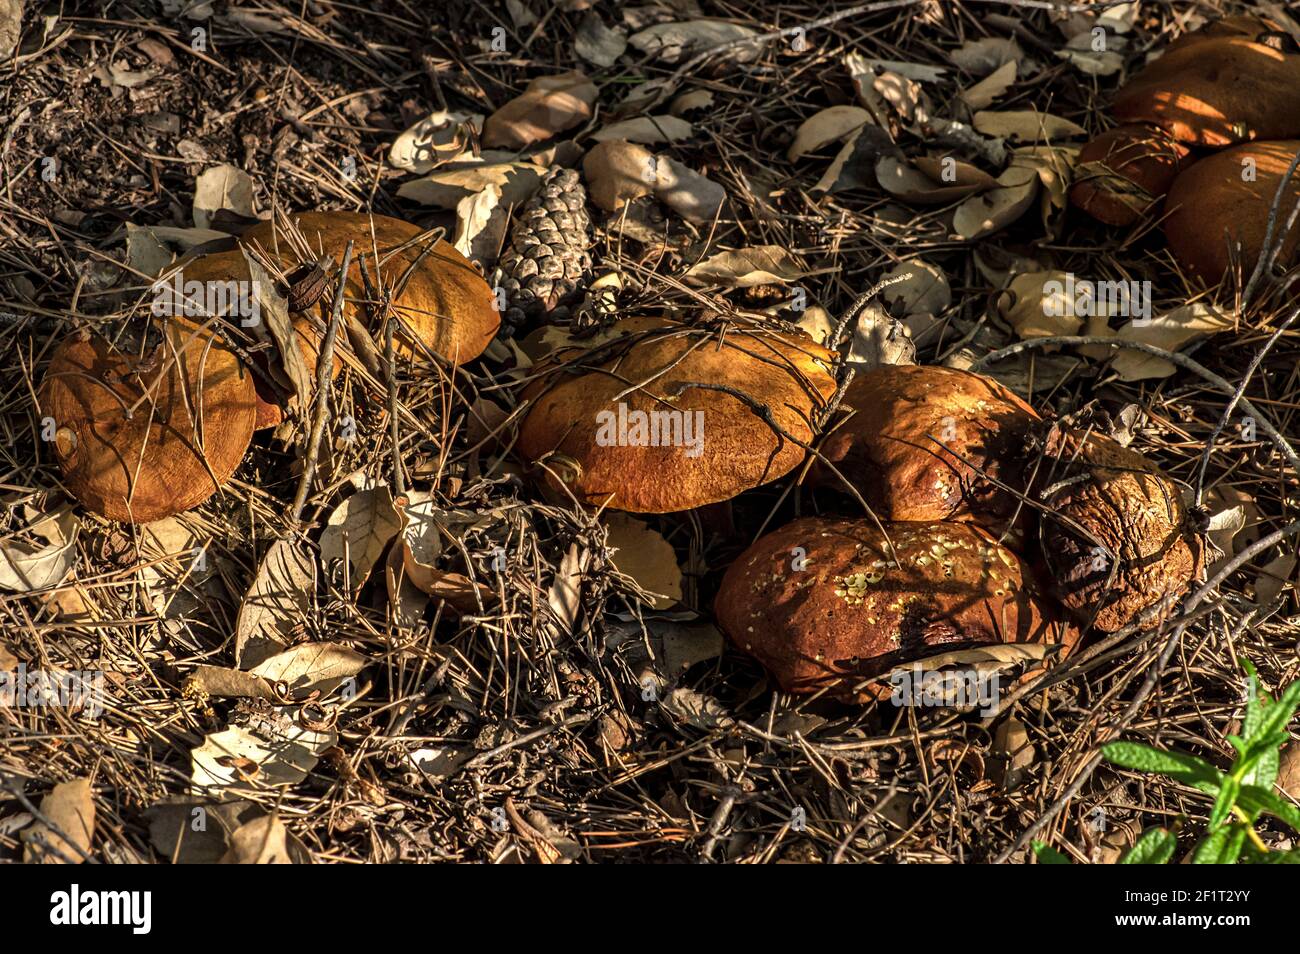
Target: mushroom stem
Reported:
point(323, 367)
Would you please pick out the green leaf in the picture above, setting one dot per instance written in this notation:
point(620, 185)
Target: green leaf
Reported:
point(1177, 765)
point(1291, 857)
point(1276, 716)
point(1264, 772)
point(1223, 803)
point(1155, 847)
point(1254, 800)
point(1047, 855)
point(1222, 847)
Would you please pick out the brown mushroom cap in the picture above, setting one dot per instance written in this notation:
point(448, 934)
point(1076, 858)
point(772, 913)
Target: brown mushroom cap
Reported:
point(445, 302)
point(679, 369)
point(1123, 504)
point(1211, 209)
point(177, 447)
point(924, 440)
point(1125, 171)
point(230, 266)
point(1217, 91)
point(865, 602)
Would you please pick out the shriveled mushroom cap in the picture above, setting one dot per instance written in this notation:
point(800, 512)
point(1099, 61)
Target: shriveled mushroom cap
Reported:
point(1114, 533)
point(927, 443)
point(668, 417)
point(830, 603)
point(1125, 171)
point(446, 304)
point(1216, 92)
point(174, 449)
point(232, 266)
point(1211, 210)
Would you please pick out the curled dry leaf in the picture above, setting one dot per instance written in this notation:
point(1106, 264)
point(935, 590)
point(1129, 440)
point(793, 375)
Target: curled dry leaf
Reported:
point(549, 105)
point(438, 138)
point(880, 339)
point(70, 807)
point(360, 527)
point(481, 224)
point(278, 601)
point(447, 188)
point(145, 252)
point(1038, 305)
point(644, 555)
point(423, 526)
point(696, 99)
point(698, 710)
point(930, 181)
point(746, 267)
point(983, 94)
point(222, 187)
point(829, 125)
point(647, 129)
point(276, 323)
point(617, 172)
point(1026, 125)
point(995, 209)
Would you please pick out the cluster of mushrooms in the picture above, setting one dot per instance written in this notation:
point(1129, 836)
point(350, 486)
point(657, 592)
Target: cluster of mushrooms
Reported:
point(1210, 130)
point(145, 433)
point(960, 518)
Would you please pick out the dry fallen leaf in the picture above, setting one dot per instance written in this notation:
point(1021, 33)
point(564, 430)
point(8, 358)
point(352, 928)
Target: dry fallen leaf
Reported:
point(438, 138)
point(278, 601)
point(1037, 305)
point(448, 187)
point(644, 555)
point(987, 54)
point(275, 322)
point(1170, 331)
point(617, 172)
point(11, 26)
point(481, 224)
point(746, 267)
point(70, 807)
point(926, 292)
point(1026, 125)
point(983, 94)
point(261, 841)
point(995, 209)
point(597, 43)
point(145, 251)
point(692, 196)
point(361, 526)
point(240, 757)
point(927, 181)
point(311, 667)
point(1274, 577)
point(549, 105)
point(222, 187)
point(829, 125)
point(670, 42)
point(26, 565)
point(648, 130)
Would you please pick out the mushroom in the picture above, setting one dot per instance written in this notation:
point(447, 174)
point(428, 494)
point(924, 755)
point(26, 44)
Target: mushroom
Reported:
point(231, 266)
point(928, 443)
point(1115, 534)
point(142, 440)
point(667, 417)
point(1218, 209)
point(446, 309)
point(1220, 90)
point(1125, 171)
point(830, 603)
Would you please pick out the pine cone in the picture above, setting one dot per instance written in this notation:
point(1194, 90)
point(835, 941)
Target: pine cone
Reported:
point(547, 264)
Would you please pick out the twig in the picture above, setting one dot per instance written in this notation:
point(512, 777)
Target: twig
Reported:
point(325, 363)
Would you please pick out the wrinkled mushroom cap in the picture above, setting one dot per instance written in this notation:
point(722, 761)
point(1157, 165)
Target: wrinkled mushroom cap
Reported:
point(1210, 209)
point(866, 601)
point(1217, 91)
point(446, 304)
point(175, 450)
point(923, 441)
point(1123, 172)
point(1123, 506)
point(717, 445)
